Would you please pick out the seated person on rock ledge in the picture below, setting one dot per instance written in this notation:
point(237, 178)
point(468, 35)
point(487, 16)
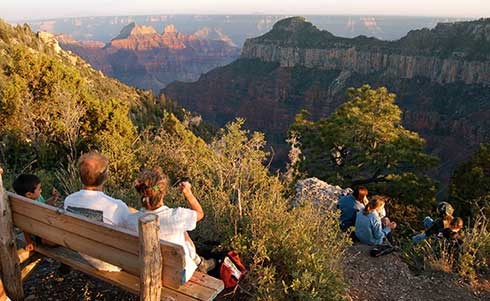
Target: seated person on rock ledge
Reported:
point(451, 233)
point(433, 227)
point(29, 186)
point(152, 185)
point(92, 203)
point(369, 227)
point(349, 205)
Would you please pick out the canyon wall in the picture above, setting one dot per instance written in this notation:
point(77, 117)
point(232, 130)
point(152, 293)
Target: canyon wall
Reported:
point(441, 78)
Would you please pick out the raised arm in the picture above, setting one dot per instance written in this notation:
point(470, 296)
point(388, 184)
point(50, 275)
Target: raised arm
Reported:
point(55, 195)
point(185, 188)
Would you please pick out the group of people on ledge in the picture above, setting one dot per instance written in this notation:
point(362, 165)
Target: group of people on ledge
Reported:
point(373, 227)
point(152, 186)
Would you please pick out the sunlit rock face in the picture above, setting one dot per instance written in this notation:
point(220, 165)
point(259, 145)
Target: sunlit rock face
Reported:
point(141, 57)
point(406, 58)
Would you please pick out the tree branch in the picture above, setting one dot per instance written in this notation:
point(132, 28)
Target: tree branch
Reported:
point(374, 179)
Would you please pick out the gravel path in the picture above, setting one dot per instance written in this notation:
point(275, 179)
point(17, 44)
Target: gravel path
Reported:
point(48, 283)
point(389, 278)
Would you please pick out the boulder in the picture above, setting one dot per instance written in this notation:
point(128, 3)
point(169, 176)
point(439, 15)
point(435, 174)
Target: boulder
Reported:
point(318, 192)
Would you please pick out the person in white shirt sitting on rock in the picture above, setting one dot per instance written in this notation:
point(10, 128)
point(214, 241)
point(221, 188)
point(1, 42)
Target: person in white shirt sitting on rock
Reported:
point(152, 186)
point(91, 202)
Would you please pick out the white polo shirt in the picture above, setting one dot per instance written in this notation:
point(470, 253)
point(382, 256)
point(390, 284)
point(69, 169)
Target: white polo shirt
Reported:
point(114, 212)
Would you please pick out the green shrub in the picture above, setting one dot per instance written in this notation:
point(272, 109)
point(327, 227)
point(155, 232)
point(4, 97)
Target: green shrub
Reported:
point(291, 253)
point(475, 249)
point(468, 260)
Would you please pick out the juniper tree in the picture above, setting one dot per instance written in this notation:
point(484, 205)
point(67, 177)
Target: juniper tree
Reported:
point(364, 142)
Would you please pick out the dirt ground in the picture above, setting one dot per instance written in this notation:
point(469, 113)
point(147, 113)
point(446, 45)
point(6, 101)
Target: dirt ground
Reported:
point(389, 278)
point(48, 283)
point(383, 278)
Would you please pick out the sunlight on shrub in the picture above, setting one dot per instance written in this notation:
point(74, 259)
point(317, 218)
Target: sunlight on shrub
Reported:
point(68, 178)
point(468, 259)
point(475, 249)
point(290, 253)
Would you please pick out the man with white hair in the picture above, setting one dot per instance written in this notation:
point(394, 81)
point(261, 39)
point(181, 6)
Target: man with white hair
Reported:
point(93, 203)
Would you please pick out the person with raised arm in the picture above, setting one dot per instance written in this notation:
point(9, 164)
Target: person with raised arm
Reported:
point(152, 185)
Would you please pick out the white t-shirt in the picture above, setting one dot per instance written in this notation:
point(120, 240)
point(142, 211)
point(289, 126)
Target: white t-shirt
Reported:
point(114, 212)
point(173, 223)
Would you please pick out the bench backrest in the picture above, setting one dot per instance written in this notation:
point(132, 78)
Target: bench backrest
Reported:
point(105, 242)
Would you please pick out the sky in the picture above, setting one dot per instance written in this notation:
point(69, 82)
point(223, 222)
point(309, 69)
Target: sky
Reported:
point(45, 9)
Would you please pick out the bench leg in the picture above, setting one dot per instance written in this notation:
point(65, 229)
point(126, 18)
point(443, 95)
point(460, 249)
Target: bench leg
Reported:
point(150, 258)
point(9, 260)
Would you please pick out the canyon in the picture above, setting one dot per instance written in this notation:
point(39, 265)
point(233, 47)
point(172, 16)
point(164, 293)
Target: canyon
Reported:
point(441, 77)
point(141, 57)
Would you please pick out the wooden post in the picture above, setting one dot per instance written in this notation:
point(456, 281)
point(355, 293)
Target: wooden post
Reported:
point(150, 258)
point(9, 260)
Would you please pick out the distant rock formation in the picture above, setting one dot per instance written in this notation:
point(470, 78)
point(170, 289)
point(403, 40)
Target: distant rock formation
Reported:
point(237, 27)
point(207, 33)
point(141, 57)
point(135, 30)
point(69, 40)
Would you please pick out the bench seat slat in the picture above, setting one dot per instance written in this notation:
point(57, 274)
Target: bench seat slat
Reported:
point(189, 291)
point(207, 281)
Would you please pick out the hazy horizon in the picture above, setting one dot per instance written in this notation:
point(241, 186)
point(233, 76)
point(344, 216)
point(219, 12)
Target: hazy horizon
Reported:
point(250, 14)
point(55, 9)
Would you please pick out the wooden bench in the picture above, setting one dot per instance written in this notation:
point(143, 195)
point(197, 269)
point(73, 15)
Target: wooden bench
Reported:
point(152, 268)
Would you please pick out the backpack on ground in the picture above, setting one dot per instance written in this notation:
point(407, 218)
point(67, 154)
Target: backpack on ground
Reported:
point(232, 270)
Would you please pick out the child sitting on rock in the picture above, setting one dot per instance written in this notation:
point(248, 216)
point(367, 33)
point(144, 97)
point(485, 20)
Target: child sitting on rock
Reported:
point(451, 233)
point(433, 227)
point(29, 186)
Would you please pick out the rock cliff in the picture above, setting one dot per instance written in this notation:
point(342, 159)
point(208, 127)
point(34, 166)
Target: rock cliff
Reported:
point(441, 78)
point(415, 55)
point(141, 57)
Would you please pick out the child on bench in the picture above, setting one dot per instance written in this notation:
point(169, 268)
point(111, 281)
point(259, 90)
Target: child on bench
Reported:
point(29, 186)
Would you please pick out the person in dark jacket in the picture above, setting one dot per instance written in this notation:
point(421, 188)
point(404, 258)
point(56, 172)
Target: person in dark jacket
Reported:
point(349, 205)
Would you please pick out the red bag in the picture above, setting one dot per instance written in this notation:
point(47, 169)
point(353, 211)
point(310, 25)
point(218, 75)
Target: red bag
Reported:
point(232, 269)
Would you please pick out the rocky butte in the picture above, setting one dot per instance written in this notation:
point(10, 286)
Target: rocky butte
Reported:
point(441, 78)
point(141, 57)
